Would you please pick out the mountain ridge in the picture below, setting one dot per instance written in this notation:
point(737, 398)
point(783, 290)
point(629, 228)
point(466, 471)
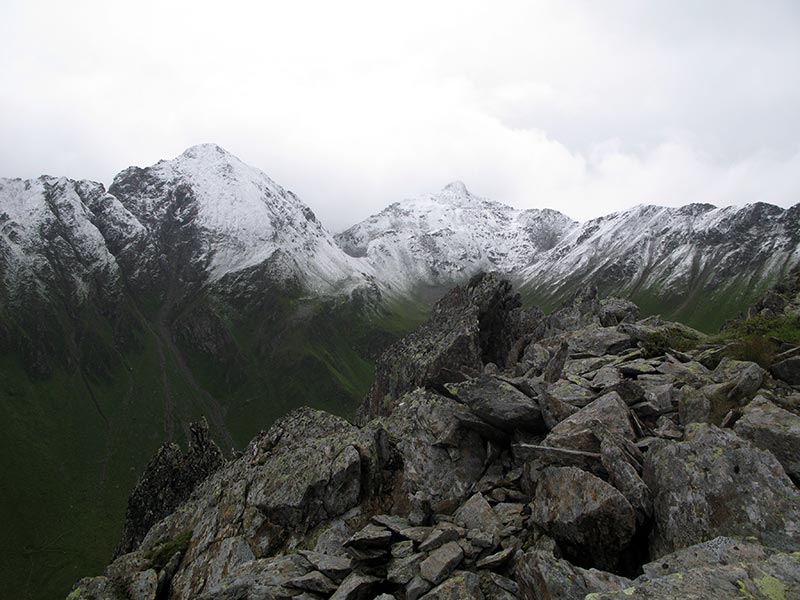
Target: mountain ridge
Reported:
point(205, 214)
point(127, 312)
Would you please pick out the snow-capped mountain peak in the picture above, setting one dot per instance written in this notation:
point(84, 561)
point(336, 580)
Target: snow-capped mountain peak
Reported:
point(235, 216)
point(441, 238)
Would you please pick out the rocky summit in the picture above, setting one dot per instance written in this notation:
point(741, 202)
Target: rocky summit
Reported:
point(501, 453)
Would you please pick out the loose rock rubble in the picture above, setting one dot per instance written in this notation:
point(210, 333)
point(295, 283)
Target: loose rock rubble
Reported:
point(503, 454)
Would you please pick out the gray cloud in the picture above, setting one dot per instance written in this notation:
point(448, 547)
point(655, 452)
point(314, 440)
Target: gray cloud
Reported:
point(586, 107)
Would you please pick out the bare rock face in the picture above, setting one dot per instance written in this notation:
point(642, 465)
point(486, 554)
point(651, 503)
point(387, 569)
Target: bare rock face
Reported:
point(308, 468)
point(472, 325)
point(169, 478)
point(590, 518)
point(715, 483)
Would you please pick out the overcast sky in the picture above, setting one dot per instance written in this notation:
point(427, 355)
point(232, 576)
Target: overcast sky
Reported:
point(587, 107)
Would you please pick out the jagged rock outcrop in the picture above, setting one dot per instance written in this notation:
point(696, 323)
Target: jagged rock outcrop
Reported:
point(596, 478)
point(167, 481)
point(472, 325)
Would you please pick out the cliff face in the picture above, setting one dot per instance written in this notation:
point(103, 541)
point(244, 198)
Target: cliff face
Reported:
point(502, 454)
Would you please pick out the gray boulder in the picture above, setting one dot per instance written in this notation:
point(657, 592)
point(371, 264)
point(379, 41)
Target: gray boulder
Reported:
point(775, 578)
point(772, 428)
point(623, 476)
point(614, 311)
point(715, 483)
point(788, 370)
point(554, 410)
point(598, 341)
point(534, 359)
point(441, 459)
point(477, 513)
point(542, 576)
point(577, 432)
point(588, 517)
point(719, 551)
point(571, 393)
point(441, 562)
point(499, 404)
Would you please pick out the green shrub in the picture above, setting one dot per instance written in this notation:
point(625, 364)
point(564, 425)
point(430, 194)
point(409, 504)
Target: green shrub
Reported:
point(755, 348)
point(663, 340)
point(783, 328)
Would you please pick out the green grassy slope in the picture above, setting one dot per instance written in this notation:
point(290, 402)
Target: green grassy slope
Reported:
point(73, 448)
point(703, 310)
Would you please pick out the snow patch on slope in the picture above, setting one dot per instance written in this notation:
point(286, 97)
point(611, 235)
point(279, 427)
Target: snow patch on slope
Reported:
point(46, 231)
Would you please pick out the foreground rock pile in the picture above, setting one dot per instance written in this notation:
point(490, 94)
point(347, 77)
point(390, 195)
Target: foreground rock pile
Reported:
point(503, 454)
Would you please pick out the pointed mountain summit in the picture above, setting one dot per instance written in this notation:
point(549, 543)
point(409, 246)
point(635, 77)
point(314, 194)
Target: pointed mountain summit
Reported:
point(211, 215)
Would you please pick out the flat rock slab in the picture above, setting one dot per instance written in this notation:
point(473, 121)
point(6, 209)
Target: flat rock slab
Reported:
point(370, 536)
point(598, 341)
point(499, 403)
point(441, 562)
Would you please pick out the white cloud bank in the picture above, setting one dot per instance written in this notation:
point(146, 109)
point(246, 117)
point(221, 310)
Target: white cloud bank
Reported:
point(587, 107)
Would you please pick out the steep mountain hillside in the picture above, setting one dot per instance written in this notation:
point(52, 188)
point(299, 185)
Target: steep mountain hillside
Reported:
point(444, 238)
point(194, 287)
point(698, 263)
point(62, 290)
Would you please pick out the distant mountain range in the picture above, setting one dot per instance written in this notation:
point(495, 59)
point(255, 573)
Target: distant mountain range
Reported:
point(184, 225)
point(198, 286)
